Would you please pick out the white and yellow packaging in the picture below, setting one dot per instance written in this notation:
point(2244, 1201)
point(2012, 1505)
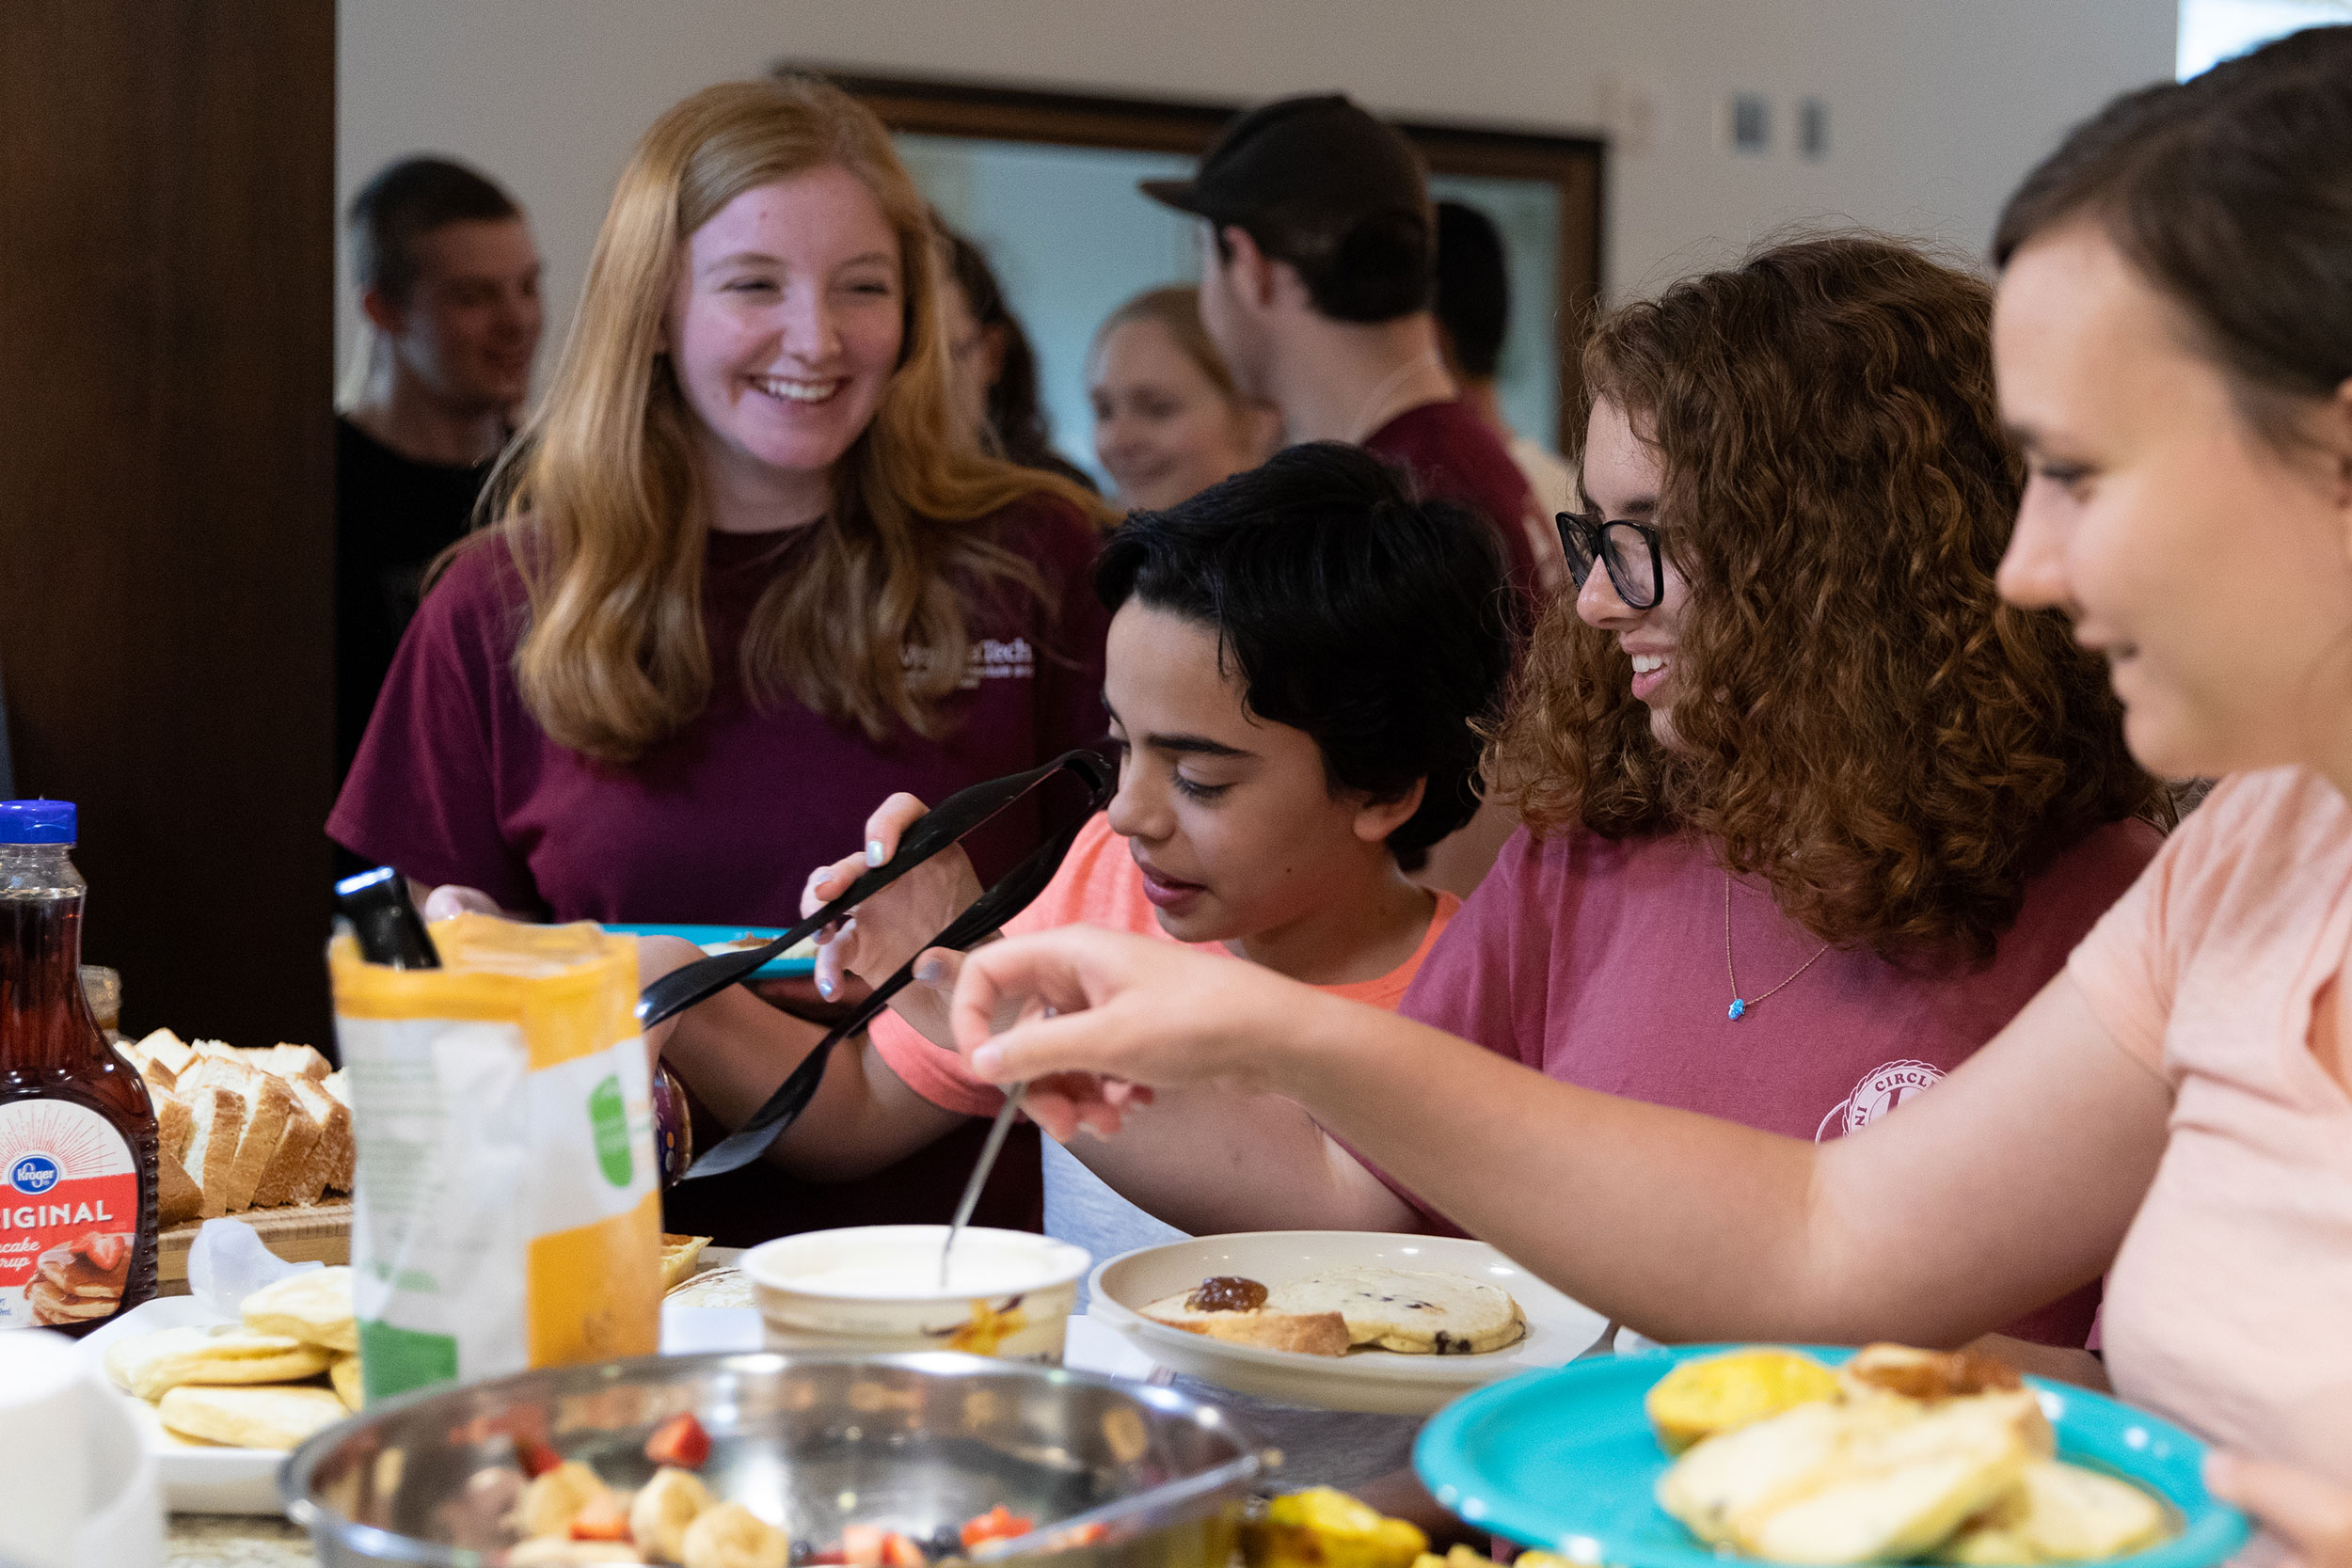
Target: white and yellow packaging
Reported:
point(507, 1210)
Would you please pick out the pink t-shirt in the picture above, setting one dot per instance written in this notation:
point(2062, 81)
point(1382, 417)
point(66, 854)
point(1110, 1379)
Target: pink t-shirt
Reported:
point(2223, 972)
point(1098, 884)
point(1602, 962)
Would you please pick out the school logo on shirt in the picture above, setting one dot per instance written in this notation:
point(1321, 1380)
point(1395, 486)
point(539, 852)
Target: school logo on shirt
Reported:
point(1880, 1090)
point(989, 660)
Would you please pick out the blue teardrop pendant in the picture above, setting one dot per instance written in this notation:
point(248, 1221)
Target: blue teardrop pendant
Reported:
point(1737, 1009)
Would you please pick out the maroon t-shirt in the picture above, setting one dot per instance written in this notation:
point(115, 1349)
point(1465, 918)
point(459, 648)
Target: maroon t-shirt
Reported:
point(1453, 455)
point(722, 822)
point(1600, 962)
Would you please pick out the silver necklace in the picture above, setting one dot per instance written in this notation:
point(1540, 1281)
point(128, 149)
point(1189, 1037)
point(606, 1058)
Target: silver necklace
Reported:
point(1739, 1004)
point(1395, 379)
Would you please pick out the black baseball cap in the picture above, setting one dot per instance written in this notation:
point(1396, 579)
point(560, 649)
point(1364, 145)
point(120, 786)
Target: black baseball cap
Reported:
point(1306, 176)
point(1317, 162)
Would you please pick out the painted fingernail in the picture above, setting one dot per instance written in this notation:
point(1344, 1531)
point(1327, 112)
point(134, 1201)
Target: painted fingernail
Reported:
point(825, 986)
point(931, 971)
point(874, 855)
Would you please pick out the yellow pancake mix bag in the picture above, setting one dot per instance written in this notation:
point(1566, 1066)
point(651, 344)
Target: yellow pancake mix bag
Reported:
point(507, 1212)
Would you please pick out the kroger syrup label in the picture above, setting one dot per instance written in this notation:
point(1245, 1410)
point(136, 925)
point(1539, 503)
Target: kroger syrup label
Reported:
point(68, 1215)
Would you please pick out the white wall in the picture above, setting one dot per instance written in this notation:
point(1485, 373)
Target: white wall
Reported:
point(1937, 106)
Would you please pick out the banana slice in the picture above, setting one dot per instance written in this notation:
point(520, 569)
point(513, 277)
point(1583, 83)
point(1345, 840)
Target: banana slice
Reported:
point(732, 1536)
point(666, 1506)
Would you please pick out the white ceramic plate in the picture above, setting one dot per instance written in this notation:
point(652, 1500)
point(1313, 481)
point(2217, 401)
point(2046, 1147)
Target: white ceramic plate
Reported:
point(195, 1480)
point(1379, 1381)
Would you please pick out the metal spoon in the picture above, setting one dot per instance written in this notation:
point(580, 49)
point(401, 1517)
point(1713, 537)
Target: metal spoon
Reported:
point(989, 1151)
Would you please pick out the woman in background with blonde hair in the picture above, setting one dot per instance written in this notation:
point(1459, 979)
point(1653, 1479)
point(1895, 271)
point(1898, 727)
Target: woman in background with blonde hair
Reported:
point(1169, 419)
point(750, 576)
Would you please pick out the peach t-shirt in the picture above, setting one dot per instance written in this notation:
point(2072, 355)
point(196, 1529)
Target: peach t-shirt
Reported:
point(1098, 885)
point(2230, 1306)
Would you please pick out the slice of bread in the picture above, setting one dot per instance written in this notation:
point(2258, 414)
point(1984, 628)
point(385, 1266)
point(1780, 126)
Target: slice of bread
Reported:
point(267, 1105)
point(178, 1198)
point(1408, 1310)
point(291, 1061)
point(174, 1126)
point(168, 1052)
point(1307, 1333)
point(216, 1126)
point(331, 1154)
point(284, 1178)
point(250, 1417)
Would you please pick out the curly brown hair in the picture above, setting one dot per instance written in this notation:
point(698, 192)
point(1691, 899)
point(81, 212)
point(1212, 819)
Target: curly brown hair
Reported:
point(1860, 721)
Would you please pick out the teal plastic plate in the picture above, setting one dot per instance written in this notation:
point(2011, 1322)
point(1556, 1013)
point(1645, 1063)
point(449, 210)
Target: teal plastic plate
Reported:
point(703, 936)
point(1565, 1460)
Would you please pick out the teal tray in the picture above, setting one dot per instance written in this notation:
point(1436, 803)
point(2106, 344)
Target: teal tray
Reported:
point(1565, 1460)
point(774, 969)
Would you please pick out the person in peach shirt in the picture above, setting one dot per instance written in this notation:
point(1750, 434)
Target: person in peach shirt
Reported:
point(2174, 1111)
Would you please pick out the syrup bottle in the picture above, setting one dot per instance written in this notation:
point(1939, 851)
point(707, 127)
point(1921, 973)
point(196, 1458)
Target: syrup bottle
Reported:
point(77, 1130)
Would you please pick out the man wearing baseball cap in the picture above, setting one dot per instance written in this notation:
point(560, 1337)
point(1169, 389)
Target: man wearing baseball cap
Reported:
point(1318, 253)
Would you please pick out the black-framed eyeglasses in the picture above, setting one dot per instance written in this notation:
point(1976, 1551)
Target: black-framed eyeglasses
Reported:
point(1636, 569)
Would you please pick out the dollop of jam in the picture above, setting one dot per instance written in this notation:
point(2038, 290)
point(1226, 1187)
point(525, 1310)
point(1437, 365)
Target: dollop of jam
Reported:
point(1226, 1294)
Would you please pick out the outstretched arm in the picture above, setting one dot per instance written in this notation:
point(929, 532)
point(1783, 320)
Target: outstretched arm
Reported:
point(734, 1049)
point(2007, 1186)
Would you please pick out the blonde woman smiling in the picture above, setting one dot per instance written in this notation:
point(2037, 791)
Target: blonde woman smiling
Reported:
point(1168, 420)
point(750, 575)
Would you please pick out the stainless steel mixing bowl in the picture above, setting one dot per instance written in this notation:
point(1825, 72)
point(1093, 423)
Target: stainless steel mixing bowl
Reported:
point(913, 1443)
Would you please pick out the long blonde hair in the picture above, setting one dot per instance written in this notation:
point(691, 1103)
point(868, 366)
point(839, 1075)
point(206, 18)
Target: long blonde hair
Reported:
point(602, 505)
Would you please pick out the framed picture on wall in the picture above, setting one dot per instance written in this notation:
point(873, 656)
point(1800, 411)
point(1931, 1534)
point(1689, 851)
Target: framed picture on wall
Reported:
point(1044, 183)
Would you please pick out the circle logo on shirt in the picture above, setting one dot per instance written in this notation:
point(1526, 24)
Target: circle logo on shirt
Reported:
point(1880, 1090)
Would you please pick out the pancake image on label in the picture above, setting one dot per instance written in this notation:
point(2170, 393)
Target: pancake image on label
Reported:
point(1412, 1312)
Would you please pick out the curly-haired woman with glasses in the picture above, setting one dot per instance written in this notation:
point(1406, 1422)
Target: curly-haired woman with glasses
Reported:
point(1810, 813)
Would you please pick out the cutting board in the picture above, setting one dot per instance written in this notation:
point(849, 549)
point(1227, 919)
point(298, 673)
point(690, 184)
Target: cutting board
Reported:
point(299, 1233)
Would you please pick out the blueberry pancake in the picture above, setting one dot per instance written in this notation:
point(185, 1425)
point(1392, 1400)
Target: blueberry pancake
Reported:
point(1419, 1314)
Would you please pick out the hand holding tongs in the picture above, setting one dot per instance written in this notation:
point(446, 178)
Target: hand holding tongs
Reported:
point(944, 825)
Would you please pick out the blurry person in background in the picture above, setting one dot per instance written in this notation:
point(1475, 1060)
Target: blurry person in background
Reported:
point(449, 282)
point(1317, 250)
point(991, 370)
point(1318, 247)
point(1473, 309)
point(1169, 419)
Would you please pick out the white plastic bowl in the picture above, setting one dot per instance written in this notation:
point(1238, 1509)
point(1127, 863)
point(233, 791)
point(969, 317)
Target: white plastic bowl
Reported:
point(875, 1289)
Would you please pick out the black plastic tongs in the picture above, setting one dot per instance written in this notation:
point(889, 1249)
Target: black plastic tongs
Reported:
point(943, 825)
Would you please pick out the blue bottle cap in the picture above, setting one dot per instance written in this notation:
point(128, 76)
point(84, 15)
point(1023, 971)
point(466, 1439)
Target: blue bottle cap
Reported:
point(35, 822)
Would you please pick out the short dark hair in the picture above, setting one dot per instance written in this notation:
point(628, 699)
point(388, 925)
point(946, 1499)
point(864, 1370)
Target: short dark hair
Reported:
point(407, 201)
point(1378, 624)
point(2231, 194)
point(1375, 270)
point(1473, 297)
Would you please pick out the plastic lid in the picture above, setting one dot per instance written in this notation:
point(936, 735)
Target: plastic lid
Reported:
point(35, 822)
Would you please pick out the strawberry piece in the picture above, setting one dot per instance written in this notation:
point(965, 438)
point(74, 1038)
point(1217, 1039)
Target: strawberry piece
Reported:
point(900, 1552)
point(535, 1457)
point(679, 1441)
point(998, 1523)
point(103, 1249)
point(605, 1518)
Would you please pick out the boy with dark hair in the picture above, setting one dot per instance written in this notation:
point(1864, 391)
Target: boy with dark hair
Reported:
point(449, 282)
point(1315, 274)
